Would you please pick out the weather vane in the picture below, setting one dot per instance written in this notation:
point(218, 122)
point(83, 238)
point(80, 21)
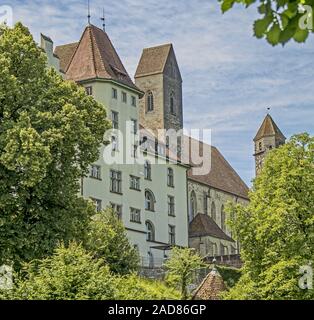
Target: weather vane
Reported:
point(88, 9)
point(103, 19)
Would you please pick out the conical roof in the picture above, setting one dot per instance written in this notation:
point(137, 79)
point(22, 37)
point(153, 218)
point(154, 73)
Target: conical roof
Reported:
point(269, 128)
point(211, 287)
point(95, 57)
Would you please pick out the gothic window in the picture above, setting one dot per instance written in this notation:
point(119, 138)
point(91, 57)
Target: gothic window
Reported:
point(172, 107)
point(223, 218)
point(149, 201)
point(150, 101)
point(213, 211)
point(150, 231)
point(147, 170)
point(193, 206)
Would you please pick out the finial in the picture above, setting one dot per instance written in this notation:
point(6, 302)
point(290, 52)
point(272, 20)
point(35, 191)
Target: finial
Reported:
point(103, 19)
point(88, 9)
point(268, 109)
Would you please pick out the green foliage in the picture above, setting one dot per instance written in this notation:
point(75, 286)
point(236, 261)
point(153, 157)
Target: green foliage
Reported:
point(276, 230)
point(50, 132)
point(230, 275)
point(134, 288)
point(69, 274)
point(108, 241)
point(281, 20)
point(181, 267)
point(72, 273)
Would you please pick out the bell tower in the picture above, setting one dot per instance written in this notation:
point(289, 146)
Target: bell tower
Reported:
point(159, 77)
point(267, 138)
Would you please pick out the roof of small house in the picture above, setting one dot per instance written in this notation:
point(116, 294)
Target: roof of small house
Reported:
point(203, 225)
point(211, 287)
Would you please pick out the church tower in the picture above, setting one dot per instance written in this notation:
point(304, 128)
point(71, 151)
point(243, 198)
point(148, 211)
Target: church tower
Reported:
point(267, 138)
point(158, 76)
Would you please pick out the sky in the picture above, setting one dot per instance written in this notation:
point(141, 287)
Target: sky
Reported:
point(229, 77)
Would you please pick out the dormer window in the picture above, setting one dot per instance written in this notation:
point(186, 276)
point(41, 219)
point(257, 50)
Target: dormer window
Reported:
point(150, 101)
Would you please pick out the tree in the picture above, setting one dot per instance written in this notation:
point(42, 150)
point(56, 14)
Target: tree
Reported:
point(181, 267)
point(50, 132)
point(69, 274)
point(108, 241)
point(281, 20)
point(276, 230)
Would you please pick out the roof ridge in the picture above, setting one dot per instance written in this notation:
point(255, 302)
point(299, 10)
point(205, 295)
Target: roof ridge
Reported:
point(159, 46)
point(93, 49)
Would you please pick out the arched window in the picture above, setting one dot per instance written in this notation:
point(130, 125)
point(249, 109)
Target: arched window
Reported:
point(149, 201)
point(170, 178)
point(223, 218)
point(193, 206)
point(213, 211)
point(172, 108)
point(150, 101)
point(150, 231)
point(147, 170)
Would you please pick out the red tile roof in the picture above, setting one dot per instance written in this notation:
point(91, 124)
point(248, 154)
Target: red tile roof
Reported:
point(95, 57)
point(65, 53)
point(221, 176)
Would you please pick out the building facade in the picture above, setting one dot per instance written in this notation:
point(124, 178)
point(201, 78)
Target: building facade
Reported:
point(147, 189)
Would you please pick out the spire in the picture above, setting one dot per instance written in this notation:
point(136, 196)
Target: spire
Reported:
point(269, 128)
point(103, 19)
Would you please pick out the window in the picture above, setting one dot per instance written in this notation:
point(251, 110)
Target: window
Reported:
point(205, 203)
point(260, 146)
point(134, 126)
point(98, 204)
point(150, 101)
point(115, 119)
point(149, 200)
point(172, 108)
point(114, 93)
point(95, 172)
point(172, 235)
point(124, 97)
point(233, 250)
point(135, 215)
point(114, 143)
point(170, 177)
point(213, 211)
point(133, 101)
point(134, 151)
point(150, 231)
point(115, 181)
point(193, 206)
point(147, 170)
point(89, 91)
point(117, 208)
point(171, 206)
point(223, 218)
point(135, 183)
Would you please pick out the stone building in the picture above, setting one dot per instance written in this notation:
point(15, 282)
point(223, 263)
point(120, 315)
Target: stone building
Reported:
point(267, 138)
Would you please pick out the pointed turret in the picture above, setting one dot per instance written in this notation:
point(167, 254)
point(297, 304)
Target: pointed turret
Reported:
point(94, 57)
point(267, 138)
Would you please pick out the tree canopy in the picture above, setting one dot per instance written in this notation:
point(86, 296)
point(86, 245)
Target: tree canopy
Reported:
point(50, 132)
point(107, 239)
point(276, 230)
point(280, 20)
point(181, 268)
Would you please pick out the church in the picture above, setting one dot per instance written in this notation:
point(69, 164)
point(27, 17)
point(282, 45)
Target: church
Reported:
point(157, 195)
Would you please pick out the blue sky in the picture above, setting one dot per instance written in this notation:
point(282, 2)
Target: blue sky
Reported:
point(230, 77)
